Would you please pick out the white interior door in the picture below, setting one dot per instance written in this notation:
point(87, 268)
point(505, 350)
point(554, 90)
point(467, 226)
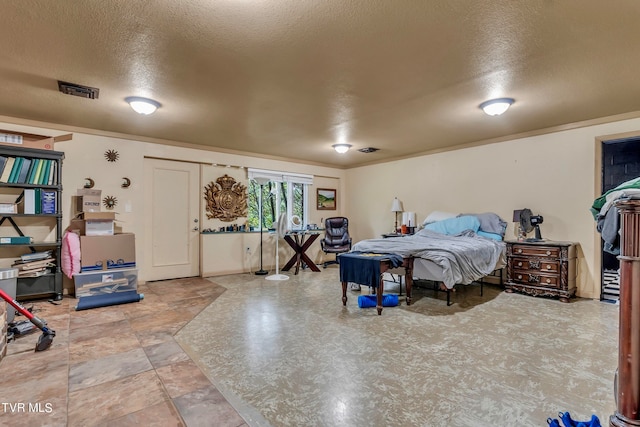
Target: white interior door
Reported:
point(172, 232)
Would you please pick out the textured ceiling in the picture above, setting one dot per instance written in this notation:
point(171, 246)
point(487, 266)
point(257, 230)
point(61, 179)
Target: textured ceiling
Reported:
point(289, 78)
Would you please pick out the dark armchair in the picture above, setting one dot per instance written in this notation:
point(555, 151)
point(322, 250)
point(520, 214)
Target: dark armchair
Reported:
point(336, 237)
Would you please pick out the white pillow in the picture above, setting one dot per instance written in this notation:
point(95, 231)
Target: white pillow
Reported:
point(438, 216)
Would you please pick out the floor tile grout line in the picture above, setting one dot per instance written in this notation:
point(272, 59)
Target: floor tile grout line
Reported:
point(65, 329)
point(66, 415)
point(243, 409)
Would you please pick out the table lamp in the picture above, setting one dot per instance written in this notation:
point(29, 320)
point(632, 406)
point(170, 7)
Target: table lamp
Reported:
point(396, 207)
point(409, 220)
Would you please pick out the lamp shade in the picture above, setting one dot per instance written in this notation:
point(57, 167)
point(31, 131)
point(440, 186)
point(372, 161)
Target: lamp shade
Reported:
point(495, 107)
point(396, 206)
point(409, 219)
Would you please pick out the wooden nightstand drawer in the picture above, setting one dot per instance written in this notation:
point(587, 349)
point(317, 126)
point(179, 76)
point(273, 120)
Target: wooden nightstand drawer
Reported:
point(536, 279)
point(536, 264)
point(540, 251)
point(542, 268)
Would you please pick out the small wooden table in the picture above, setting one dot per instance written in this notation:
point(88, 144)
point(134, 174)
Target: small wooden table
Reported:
point(370, 263)
point(300, 242)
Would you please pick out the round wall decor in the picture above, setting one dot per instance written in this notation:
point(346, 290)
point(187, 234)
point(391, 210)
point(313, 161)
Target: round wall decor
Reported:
point(111, 155)
point(109, 202)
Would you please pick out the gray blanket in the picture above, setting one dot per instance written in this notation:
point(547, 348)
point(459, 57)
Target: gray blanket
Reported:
point(463, 258)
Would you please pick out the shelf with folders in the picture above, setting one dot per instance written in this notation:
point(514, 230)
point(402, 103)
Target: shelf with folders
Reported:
point(30, 183)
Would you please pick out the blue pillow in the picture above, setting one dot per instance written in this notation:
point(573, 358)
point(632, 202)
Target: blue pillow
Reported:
point(453, 226)
point(493, 236)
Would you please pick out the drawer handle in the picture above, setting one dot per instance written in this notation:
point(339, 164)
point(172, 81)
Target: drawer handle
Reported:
point(548, 267)
point(519, 251)
point(519, 276)
point(548, 252)
point(520, 264)
point(548, 280)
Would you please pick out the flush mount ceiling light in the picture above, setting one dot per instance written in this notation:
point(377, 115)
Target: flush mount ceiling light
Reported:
point(495, 107)
point(341, 148)
point(141, 105)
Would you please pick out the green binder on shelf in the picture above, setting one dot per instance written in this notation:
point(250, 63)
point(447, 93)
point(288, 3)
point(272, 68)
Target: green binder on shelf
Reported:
point(17, 166)
point(32, 171)
point(44, 176)
point(24, 171)
point(18, 240)
point(36, 178)
point(38, 200)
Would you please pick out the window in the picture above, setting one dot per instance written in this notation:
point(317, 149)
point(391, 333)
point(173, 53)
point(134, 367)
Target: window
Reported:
point(281, 192)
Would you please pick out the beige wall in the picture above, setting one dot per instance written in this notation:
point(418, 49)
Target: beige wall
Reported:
point(235, 258)
point(221, 254)
point(552, 174)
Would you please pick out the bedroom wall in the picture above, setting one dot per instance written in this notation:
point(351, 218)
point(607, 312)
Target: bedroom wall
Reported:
point(220, 254)
point(554, 175)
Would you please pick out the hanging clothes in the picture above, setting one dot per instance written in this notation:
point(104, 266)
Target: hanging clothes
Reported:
point(600, 201)
point(607, 216)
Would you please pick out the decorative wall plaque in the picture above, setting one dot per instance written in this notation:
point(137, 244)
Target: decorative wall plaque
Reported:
point(110, 202)
point(111, 155)
point(226, 199)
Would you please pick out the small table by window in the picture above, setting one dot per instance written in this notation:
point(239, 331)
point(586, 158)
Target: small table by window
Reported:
point(300, 242)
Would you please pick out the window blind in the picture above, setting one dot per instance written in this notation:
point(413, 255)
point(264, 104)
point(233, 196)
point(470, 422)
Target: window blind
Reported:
point(276, 176)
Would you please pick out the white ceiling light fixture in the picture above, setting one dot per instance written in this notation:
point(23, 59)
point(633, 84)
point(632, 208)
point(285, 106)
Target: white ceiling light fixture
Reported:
point(141, 105)
point(495, 107)
point(341, 148)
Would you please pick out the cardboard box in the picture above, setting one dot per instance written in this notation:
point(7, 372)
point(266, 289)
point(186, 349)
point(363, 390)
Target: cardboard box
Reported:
point(8, 208)
point(98, 223)
point(107, 252)
point(98, 228)
point(88, 200)
point(29, 140)
point(98, 216)
point(77, 225)
point(26, 140)
point(105, 282)
point(94, 224)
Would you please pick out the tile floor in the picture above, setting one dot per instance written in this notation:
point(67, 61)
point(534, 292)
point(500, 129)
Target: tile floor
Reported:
point(238, 350)
point(116, 365)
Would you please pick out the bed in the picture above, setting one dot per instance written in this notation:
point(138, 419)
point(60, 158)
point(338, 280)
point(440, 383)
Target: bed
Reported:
point(457, 250)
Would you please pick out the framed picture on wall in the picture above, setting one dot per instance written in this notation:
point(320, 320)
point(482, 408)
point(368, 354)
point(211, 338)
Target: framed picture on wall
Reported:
point(326, 199)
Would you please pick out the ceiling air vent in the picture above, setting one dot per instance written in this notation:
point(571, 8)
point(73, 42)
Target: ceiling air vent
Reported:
point(78, 90)
point(368, 150)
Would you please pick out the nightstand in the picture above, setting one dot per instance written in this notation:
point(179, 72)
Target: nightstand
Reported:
point(544, 268)
point(387, 235)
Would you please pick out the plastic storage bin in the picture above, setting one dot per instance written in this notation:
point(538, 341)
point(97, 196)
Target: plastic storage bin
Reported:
point(8, 283)
point(105, 282)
